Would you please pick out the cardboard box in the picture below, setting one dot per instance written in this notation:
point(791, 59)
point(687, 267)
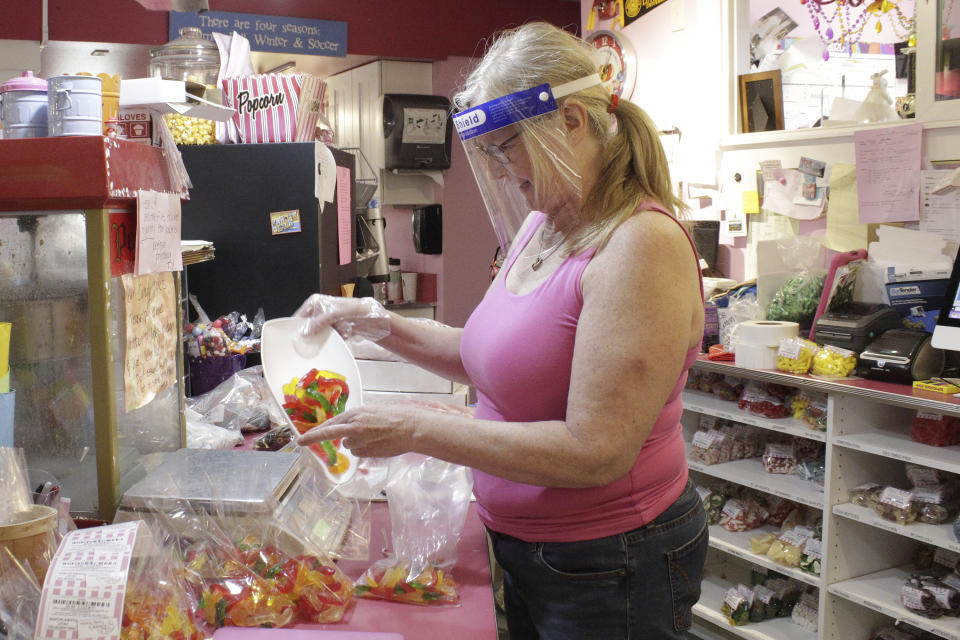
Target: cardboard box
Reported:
point(136, 124)
point(936, 386)
point(169, 96)
point(381, 375)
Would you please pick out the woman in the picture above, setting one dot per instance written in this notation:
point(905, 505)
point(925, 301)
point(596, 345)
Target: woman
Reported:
point(578, 351)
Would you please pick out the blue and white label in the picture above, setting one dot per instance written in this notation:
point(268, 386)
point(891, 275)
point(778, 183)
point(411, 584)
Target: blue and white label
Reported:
point(269, 33)
point(504, 111)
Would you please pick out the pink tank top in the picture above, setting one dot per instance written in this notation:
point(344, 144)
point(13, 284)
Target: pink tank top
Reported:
point(518, 351)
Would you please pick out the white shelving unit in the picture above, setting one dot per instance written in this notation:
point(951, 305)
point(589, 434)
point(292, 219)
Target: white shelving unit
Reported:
point(708, 608)
point(866, 558)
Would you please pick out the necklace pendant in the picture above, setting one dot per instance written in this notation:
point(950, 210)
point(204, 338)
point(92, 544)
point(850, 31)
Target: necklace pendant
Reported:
point(536, 263)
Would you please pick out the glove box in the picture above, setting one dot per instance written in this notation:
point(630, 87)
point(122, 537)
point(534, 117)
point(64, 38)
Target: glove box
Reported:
point(855, 326)
point(901, 355)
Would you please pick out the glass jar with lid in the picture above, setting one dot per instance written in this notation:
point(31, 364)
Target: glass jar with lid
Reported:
point(189, 57)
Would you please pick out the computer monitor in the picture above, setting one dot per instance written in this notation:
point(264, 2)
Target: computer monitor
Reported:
point(946, 335)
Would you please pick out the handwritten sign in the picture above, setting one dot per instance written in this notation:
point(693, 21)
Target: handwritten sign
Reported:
point(158, 233)
point(344, 215)
point(149, 366)
point(269, 33)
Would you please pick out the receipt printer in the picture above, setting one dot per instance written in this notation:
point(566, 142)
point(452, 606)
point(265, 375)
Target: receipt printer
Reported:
point(901, 355)
point(855, 326)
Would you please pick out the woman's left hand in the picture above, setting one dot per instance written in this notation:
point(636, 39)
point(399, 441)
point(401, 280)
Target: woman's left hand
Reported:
point(379, 431)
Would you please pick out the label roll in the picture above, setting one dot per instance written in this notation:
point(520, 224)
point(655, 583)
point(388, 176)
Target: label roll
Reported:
point(766, 332)
point(755, 356)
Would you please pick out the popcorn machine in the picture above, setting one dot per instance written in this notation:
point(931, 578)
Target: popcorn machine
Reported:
point(86, 333)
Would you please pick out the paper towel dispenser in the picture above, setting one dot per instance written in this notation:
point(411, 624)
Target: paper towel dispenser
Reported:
point(417, 131)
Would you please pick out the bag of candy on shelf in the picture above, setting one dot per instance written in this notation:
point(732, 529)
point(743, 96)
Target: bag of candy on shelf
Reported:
point(812, 557)
point(806, 614)
point(897, 505)
point(713, 501)
point(866, 495)
point(428, 500)
point(795, 355)
point(815, 410)
point(918, 598)
point(833, 362)
point(757, 398)
point(742, 514)
point(779, 458)
point(736, 604)
point(934, 504)
point(935, 429)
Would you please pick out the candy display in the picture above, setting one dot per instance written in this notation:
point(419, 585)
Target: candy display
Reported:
point(834, 362)
point(252, 584)
point(274, 440)
point(156, 609)
point(312, 399)
point(787, 591)
point(393, 582)
point(795, 355)
point(727, 388)
point(935, 429)
point(736, 605)
point(813, 470)
point(765, 604)
point(896, 505)
point(742, 515)
point(815, 410)
point(779, 458)
point(806, 613)
point(760, 544)
point(713, 502)
point(226, 335)
point(788, 547)
point(866, 495)
point(812, 557)
point(759, 400)
point(920, 600)
point(707, 447)
point(934, 504)
point(920, 476)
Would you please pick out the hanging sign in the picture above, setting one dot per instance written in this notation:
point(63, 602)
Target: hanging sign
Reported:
point(633, 9)
point(269, 33)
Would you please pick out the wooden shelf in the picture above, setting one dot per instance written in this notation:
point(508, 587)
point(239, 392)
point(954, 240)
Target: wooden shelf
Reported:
point(702, 402)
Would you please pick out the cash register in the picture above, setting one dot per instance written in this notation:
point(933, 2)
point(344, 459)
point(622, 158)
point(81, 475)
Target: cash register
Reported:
point(946, 335)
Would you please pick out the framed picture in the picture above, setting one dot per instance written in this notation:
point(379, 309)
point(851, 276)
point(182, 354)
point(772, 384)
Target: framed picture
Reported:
point(761, 101)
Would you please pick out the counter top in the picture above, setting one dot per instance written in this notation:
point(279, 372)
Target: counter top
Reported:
point(888, 392)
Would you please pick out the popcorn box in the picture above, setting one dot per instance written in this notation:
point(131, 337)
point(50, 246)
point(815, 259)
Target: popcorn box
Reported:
point(274, 107)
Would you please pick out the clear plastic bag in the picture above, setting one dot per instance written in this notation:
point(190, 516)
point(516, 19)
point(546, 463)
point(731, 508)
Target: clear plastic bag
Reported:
point(19, 598)
point(739, 309)
point(795, 355)
point(935, 429)
point(242, 402)
point(16, 504)
point(779, 458)
point(866, 495)
point(834, 362)
point(896, 505)
point(797, 299)
point(428, 500)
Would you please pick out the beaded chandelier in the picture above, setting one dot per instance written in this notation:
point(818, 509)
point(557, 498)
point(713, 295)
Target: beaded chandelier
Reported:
point(845, 21)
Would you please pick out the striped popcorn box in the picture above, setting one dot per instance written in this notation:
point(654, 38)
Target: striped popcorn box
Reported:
point(266, 106)
point(312, 94)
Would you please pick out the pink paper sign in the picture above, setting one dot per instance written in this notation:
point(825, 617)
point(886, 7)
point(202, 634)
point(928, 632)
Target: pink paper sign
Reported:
point(344, 215)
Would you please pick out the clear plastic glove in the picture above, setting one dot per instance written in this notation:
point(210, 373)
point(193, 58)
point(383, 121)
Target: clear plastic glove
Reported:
point(350, 317)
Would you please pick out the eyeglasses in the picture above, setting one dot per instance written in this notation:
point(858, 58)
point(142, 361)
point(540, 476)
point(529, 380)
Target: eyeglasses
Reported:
point(499, 151)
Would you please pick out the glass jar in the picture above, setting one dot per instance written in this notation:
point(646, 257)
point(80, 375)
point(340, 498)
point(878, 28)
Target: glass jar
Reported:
point(190, 58)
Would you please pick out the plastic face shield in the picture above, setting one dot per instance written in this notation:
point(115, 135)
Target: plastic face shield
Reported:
point(520, 155)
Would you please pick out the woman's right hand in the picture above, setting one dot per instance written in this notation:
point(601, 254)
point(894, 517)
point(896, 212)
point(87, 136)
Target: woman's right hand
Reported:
point(361, 317)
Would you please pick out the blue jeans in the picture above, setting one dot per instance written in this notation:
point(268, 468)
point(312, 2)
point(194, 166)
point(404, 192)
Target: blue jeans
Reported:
point(640, 584)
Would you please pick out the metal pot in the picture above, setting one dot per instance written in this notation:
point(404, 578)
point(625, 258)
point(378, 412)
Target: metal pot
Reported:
point(47, 325)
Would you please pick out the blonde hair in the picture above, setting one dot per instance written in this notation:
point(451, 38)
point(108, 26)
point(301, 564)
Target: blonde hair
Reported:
point(633, 165)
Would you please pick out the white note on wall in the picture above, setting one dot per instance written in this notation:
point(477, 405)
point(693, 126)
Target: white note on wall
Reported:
point(939, 214)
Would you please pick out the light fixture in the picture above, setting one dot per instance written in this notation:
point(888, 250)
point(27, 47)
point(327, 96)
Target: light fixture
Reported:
point(100, 52)
point(850, 24)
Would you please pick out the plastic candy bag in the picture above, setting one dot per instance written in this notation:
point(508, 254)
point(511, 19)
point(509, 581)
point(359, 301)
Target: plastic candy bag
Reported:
point(834, 362)
point(742, 515)
point(779, 458)
point(736, 605)
point(759, 400)
point(918, 599)
point(713, 501)
point(812, 557)
point(805, 614)
point(795, 355)
point(896, 505)
point(797, 299)
point(19, 598)
point(242, 402)
point(428, 500)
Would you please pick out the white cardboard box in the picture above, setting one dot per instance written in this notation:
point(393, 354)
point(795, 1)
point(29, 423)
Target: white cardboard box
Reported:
point(170, 96)
point(382, 375)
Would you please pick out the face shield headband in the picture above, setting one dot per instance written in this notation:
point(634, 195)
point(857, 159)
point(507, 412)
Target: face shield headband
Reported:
point(528, 122)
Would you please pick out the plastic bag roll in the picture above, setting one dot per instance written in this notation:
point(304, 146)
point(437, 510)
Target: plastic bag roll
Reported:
point(766, 332)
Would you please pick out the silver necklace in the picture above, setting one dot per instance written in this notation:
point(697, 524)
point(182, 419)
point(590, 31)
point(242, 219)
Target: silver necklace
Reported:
point(543, 254)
